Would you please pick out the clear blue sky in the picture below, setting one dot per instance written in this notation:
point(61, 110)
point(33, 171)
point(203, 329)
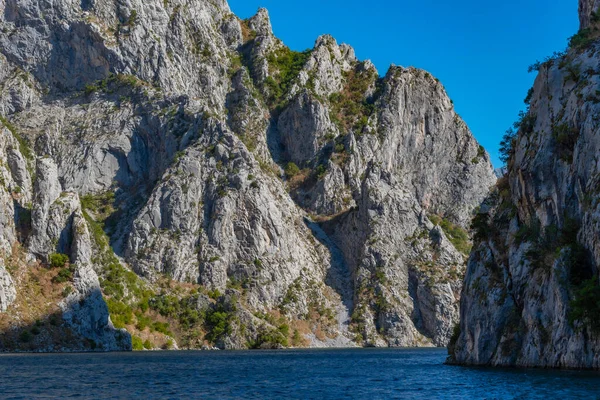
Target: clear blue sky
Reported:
point(480, 50)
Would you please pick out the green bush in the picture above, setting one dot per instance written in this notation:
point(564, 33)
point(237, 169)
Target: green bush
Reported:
point(581, 39)
point(136, 343)
point(219, 321)
point(58, 260)
point(271, 337)
point(455, 233)
point(162, 327)
point(120, 313)
point(24, 147)
point(565, 137)
point(480, 225)
point(291, 170)
point(507, 145)
point(455, 335)
point(529, 96)
point(350, 109)
point(320, 171)
point(25, 336)
point(526, 122)
point(142, 321)
point(64, 275)
point(286, 65)
point(184, 310)
point(585, 305)
point(528, 232)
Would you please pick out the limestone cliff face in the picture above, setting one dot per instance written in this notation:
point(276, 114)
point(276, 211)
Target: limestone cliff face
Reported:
point(531, 289)
point(587, 11)
point(212, 187)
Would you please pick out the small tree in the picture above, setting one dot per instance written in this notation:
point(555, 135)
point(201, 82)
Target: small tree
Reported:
point(506, 145)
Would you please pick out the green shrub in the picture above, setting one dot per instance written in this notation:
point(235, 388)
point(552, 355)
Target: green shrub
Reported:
point(169, 345)
point(184, 310)
point(480, 225)
point(271, 337)
point(64, 275)
point(148, 345)
point(320, 171)
point(507, 145)
point(24, 147)
point(351, 109)
point(219, 321)
point(162, 327)
point(455, 233)
point(142, 321)
point(297, 338)
point(214, 294)
point(120, 313)
point(291, 170)
point(67, 291)
point(25, 336)
point(285, 65)
point(529, 96)
point(136, 343)
point(528, 232)
point(455, 335)
point(58, 260)
point(581, 39)
point(565, 137)
point(132, 18)
point(585, 305)
point(526, 122)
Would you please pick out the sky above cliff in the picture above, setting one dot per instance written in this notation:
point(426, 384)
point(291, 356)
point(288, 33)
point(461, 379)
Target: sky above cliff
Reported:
point(479, 50)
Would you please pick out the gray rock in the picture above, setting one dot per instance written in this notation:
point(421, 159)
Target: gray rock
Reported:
point(170, 106)
point(303, 127)
point(8, 293)
point(538, 231)
point(586, 9)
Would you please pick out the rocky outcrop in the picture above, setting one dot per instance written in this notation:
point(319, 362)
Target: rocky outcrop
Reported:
point(303, 127)
point(8, 292)
point(211, 186)
point(531, 289)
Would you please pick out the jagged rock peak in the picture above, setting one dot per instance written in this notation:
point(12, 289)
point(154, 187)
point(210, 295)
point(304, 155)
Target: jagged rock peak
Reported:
point(261, 23)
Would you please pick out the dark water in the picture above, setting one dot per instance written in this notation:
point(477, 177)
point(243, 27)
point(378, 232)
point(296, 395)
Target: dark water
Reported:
point(300, 374)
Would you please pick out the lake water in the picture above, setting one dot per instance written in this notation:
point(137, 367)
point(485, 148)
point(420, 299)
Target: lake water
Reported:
point(299, 374)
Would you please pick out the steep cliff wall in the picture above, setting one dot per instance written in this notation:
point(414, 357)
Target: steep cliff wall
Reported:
point(531, 292)
point(212, 187)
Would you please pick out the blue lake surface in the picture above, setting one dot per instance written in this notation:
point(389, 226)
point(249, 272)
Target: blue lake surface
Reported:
point(298, 374)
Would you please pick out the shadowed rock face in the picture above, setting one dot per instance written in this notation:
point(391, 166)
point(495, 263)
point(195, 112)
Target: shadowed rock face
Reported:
point(587, 9)
point(168, 126)
point(530, 293)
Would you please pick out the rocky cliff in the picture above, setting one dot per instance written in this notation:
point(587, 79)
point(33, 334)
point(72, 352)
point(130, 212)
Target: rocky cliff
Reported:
point(531, 290)
point(174, 173)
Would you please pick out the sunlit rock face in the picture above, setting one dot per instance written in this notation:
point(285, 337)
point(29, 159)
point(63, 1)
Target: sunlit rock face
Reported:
point(274, 187)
